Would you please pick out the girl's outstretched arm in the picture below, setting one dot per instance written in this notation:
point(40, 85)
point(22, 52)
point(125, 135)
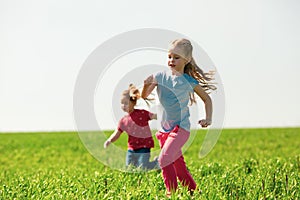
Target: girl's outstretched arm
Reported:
point(154, 116)
point(149, 85)
point(112, 138)
point(208, 106)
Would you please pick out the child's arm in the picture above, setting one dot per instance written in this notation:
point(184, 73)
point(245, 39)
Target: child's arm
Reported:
point(153, 116)
point(112, 138)
point(208, 106)
point(149, 85)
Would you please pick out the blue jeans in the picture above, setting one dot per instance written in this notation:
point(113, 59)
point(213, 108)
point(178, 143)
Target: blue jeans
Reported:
point(140, 158)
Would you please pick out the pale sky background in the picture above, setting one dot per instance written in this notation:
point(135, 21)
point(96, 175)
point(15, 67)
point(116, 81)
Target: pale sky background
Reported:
point(254, 45)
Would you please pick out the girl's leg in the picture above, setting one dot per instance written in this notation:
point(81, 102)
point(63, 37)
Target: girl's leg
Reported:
point(167, 171)
point(171, 151)
point(183, 174)
point(143, 159)
point(131, 158)
point(145, 163)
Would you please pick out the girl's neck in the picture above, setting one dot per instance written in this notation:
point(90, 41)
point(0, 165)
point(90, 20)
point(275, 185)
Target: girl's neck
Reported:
point(130, 111)
point(177, 73)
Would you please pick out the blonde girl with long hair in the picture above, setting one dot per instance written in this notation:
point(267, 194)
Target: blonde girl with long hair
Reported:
point(175, 89)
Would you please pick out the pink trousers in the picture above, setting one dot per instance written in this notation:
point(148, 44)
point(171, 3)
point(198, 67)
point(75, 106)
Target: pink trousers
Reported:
point(171, 159)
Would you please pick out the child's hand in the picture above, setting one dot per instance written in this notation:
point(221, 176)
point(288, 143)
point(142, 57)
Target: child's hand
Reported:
point(204, 122)
point(106, 144)
point(149, 80)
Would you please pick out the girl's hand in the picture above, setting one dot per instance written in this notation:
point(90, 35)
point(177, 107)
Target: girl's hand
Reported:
point(149, 85)
point(149, 80)
point(106, 143)
point(204, 122)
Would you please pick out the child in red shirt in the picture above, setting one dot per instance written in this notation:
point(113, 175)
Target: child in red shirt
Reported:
point(135, 124)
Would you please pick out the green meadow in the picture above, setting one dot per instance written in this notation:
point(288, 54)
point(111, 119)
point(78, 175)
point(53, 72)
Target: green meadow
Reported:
point(244, 164)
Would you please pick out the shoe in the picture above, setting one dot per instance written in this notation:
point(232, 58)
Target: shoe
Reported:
point(168, 194)
point(193, 191)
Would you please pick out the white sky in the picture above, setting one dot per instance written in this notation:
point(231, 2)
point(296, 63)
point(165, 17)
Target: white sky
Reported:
point(254, 44)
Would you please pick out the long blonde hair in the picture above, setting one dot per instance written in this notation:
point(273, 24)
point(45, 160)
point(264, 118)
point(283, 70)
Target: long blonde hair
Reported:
point(203, 78)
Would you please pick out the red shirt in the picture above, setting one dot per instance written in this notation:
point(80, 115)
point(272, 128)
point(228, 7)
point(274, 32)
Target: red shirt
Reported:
point(136, 126)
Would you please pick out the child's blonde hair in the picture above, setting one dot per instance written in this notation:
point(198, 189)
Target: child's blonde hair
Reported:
point(184, 48)
point(132, 93)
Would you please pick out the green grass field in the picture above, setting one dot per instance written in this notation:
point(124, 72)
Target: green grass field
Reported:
point(244, 164)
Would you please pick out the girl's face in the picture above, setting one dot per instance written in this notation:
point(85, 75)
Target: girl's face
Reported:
point(127, 105)
point(176, 62)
